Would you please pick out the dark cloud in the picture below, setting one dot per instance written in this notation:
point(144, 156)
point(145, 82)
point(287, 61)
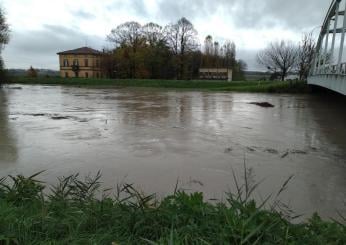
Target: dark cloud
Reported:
point(293, 14)
point(38, 48)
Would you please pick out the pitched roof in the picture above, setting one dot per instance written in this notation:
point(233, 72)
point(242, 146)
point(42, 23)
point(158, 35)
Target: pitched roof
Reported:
point(82, 50)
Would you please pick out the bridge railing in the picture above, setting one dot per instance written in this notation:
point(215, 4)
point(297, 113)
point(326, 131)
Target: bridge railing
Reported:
point(330, 70)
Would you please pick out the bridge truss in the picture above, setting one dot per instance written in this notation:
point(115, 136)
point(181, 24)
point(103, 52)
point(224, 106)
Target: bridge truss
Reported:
point(329, 67)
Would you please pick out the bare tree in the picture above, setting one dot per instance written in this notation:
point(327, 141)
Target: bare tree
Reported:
point(229, 52)
point(129, 36)
point(128, 33)
point(279, 57)
point(306, 52)
point(182, 36)
point(4, 30)
point(208, 45)
point(208, 51)
point(182, 39)
point(4, 39)
point(153, 33)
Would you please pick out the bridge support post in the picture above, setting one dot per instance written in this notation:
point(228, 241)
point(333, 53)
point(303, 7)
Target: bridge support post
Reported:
point(325, 55)
point(334, 32)
point(342, 41)
point(319, 56)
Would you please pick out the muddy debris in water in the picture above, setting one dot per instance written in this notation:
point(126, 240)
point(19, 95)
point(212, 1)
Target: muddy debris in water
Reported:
point(293, 152)
point(298, 152)
point(262, 104)
point(228, 150)
point(195, 181)
point(59, 117)
point(250, 149)
point(18, 88)
point(37, 114)
point(285, 154)
point(271, 151)
point(56, 117)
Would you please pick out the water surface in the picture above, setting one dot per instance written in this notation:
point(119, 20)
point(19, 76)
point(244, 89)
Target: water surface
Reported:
point(154, 137)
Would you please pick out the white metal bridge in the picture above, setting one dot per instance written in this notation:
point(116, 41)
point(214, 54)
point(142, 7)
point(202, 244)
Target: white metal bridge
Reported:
point(329, 65)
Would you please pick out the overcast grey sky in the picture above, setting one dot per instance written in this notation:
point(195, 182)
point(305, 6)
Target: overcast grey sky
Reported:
point(41, 28)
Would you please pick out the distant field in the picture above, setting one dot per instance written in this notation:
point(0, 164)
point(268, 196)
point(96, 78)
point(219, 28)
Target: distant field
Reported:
point(239, 86)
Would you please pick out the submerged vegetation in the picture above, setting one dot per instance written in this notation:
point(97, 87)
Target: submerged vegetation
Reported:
point(78, 211)
point(237, 86)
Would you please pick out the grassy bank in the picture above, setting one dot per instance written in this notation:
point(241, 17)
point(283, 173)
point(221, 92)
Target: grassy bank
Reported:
point(71, 214)
point(241, 86)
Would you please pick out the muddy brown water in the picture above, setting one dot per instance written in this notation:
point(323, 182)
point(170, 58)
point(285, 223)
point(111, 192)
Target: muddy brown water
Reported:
point(154, 137)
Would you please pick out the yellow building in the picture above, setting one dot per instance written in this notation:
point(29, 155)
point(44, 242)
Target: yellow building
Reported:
point(81, 62)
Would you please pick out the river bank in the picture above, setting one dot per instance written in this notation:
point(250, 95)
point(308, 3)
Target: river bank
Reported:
point(236, 86)
point(71, 213)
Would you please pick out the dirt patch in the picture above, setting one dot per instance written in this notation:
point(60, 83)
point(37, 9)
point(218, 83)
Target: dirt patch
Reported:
point(262, 104)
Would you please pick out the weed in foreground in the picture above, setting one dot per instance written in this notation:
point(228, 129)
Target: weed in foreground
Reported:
point(74, 212)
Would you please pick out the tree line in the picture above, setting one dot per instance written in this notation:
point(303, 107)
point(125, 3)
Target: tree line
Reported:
point(282, 57)
point(169, 52)
point(174, 52)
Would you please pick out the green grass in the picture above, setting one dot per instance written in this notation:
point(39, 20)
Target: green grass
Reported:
point(70, 213)
point(238, 86)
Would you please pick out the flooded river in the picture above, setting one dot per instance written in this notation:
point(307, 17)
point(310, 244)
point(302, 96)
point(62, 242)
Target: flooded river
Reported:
point(154, 137)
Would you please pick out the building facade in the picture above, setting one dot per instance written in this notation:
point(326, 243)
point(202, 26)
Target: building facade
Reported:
point(82, 62)
point(215, 74)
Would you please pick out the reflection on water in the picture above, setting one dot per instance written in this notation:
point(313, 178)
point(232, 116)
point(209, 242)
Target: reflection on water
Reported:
point(8, 149)
point(154, 137)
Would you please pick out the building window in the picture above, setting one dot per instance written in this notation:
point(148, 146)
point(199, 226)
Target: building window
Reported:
point(75, 62)
point(86, 62)
point(97, 75)
point(97, 63)
point(86, 75)
point(65, 63)
point(66, 74)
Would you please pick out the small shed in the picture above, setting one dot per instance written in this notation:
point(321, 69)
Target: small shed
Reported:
point(215, 74)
